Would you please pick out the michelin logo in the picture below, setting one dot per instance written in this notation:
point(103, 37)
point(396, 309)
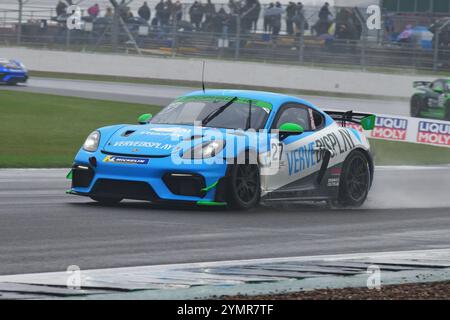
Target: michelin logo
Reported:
point(125, 160)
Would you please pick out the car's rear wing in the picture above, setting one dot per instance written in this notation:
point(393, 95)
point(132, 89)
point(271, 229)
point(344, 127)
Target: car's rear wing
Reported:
point(366, 120)
point(417, 84)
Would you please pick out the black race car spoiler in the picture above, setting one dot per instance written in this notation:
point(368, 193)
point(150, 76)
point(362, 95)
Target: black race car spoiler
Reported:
point(366, 120)
point(417, 84)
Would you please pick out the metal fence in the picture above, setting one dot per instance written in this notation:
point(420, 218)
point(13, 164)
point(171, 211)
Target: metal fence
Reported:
point(178, 38)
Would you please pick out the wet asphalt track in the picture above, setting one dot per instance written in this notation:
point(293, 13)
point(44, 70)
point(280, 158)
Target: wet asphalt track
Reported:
point(163, 94)
point(43, 229)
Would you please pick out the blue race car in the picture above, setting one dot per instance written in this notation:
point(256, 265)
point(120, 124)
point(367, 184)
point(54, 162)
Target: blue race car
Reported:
point(229, 148)
point(12, 72)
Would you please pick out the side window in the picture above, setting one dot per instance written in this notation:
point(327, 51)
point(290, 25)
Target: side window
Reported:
point(294, 114)
point(318, 119)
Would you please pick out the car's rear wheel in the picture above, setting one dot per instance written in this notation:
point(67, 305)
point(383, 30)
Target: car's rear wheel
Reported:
point(106, 200)
point(245, 186)
point(355, 180)
point(416, 105)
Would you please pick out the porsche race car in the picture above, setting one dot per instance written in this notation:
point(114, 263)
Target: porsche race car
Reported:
point(432, 99)
point(12, 72)
point(230, 148)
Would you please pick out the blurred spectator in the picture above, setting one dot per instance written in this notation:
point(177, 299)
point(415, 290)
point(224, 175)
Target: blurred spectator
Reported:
point(347, 26)
point(166, 12)
point(144, 11)
point(129, 13)
point(109, 12)
point(196, 14)
point(406, 35)
point(177, 11)
point(159, 8)
point(93, 11)
point(268, 18)
point(275, 18)
point(221, 22)
point(299, 18)
point(61, 8)
point(291, 10)
point(255, 14)
point(250, 14)
point(210, 12)
point(325, 13)
point(323, 24)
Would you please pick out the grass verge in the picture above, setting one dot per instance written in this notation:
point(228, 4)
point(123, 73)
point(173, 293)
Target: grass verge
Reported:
point(45, 131)
point(405, 153)
point(40, 130)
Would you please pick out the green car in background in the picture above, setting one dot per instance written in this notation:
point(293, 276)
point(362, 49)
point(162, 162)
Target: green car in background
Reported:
point(432, 99)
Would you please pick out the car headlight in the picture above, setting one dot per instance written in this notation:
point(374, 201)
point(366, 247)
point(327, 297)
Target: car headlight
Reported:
point(205, 150)
point(91, 143)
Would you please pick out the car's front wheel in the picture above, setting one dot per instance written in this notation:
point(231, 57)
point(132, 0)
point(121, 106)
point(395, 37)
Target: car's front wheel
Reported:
point(106, 200)
point(244, 186)
point(355, 178)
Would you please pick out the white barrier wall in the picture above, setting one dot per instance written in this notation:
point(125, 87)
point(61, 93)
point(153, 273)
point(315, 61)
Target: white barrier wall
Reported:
point(226, 72)
point(407, 129)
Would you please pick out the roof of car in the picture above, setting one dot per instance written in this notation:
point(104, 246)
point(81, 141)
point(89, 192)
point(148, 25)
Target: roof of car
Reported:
point(276, 99)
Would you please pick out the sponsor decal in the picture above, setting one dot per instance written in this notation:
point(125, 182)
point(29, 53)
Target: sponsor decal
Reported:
point(333, 182)
point(307, 156)
point(338, 143)
point(434, 133)
point(390, 128)
point(301, 158)
point(125, 160)
point(143, 144)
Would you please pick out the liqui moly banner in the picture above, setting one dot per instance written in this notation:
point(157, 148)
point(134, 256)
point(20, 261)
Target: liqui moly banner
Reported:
point(416, 130)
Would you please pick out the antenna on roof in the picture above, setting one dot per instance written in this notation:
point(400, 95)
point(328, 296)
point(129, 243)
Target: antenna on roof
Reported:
point(203, 76)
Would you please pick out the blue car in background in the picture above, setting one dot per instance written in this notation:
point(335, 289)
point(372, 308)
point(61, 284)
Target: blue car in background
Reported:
point(230, 148)
point(12, 72)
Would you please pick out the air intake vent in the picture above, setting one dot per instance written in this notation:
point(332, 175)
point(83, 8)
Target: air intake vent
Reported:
point(128, 133)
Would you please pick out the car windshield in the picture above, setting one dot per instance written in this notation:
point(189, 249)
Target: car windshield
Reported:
point(215, 111)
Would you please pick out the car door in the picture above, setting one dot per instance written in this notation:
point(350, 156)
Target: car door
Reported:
point(295, 156)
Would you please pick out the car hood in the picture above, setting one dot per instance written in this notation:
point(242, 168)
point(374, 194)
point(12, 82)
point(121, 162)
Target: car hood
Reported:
point(160, 140)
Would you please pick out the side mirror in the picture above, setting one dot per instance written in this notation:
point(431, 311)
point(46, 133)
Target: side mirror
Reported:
point(290, 129)
point(145, 118)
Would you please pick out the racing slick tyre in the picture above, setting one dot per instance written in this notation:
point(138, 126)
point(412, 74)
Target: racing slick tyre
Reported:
point(11, 83)
point(355, 180)
point(106, 200)
point(416, 105)
point(244, 186)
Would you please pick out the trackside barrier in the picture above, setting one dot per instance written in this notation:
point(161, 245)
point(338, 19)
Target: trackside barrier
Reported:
point(407, 129)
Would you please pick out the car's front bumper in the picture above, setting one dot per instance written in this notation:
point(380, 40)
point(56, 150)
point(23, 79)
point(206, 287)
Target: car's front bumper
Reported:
point(157, 180)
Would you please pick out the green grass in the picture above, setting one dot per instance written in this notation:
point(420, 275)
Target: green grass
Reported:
point(42, 131)
point(404, 153)
point(39, 130)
